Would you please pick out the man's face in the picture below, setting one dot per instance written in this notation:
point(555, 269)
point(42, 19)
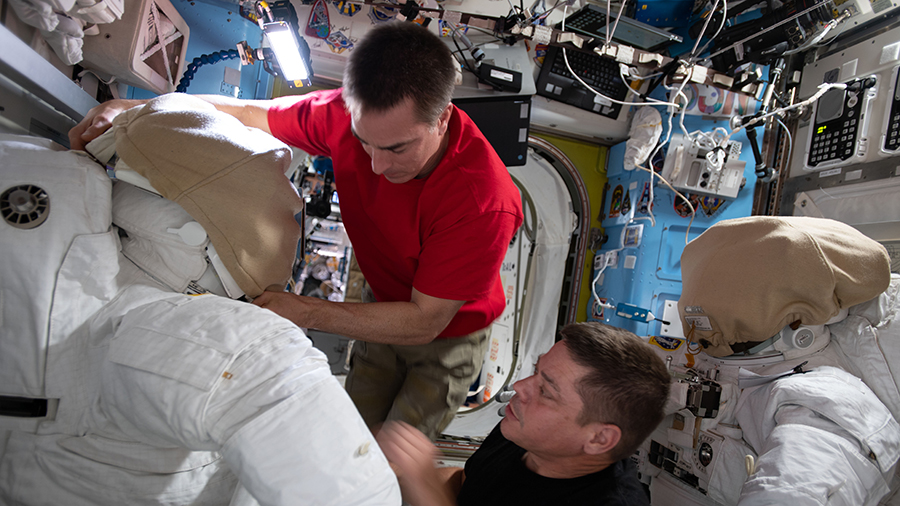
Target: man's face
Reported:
point(400, 146)
point(542, 415)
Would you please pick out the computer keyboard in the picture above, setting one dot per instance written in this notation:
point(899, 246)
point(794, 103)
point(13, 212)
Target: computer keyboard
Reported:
point(556, 82)
point(591, 21)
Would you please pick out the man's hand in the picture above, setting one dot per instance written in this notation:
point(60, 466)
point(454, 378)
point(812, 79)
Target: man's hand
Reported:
point(97, 121)
point(411, 455)
point(409, 451)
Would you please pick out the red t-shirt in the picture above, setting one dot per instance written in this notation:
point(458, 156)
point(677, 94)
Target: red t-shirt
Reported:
point(445, 235)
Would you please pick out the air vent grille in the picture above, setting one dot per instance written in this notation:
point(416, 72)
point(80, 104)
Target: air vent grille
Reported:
point(25, 206)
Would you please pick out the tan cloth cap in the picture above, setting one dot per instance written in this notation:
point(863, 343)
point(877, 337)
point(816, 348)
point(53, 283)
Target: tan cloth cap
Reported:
point(228, 177)
point(746, 279)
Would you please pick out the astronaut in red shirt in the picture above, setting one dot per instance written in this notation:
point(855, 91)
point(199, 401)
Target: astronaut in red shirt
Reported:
point(429, 208)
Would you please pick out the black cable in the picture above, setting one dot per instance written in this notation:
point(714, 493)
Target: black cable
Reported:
point(199, 61)
point(780, 100)
point(666, 71)
point(461, 53)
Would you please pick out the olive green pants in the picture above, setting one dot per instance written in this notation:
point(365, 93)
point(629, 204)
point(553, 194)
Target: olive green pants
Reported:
point(421, 385)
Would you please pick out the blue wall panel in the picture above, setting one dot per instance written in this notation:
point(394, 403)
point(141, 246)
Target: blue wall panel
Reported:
point(655, 276)
point(216, 26)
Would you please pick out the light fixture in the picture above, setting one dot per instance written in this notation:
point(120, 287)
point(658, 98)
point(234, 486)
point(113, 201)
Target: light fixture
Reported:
point(287, 52)
point(283, 57)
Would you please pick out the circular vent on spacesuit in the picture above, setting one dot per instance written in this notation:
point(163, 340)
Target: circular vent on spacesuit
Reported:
point(25, 206)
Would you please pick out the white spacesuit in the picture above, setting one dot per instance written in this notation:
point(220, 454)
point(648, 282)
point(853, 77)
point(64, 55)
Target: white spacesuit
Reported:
point(62, 22)
point(115, 387)
point(784, 391)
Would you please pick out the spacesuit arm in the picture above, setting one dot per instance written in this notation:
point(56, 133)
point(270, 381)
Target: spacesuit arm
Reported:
point(808, 461)
point(822, 437)
point(311, 449)
point(209, 373)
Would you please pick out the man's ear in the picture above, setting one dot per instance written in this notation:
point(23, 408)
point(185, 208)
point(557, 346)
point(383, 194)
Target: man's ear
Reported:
point(603, 438)
point(444, 118)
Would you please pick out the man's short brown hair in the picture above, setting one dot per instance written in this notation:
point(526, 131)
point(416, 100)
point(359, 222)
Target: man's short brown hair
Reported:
point(627, 384)
point(397, 61)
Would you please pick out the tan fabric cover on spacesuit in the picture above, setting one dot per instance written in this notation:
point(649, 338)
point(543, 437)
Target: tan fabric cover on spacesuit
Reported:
point(746, 279)
point(228, 177)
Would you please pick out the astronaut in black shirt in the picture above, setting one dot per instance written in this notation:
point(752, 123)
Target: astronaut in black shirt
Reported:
point(566, 437)
point(499, 462)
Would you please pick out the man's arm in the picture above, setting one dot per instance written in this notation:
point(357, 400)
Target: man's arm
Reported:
point(252, 113)
point(411, 455)
point(452, 478)
point(418, 321)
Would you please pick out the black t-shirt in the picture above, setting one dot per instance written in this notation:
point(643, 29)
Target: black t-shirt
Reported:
point(496, 474)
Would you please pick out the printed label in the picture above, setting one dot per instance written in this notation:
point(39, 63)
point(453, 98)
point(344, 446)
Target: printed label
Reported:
point(699, 322)
point(488, 388)
point(496, 74)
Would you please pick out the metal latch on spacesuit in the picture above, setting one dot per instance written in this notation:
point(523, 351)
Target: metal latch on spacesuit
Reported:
point(696, 393)
point(703, 398)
